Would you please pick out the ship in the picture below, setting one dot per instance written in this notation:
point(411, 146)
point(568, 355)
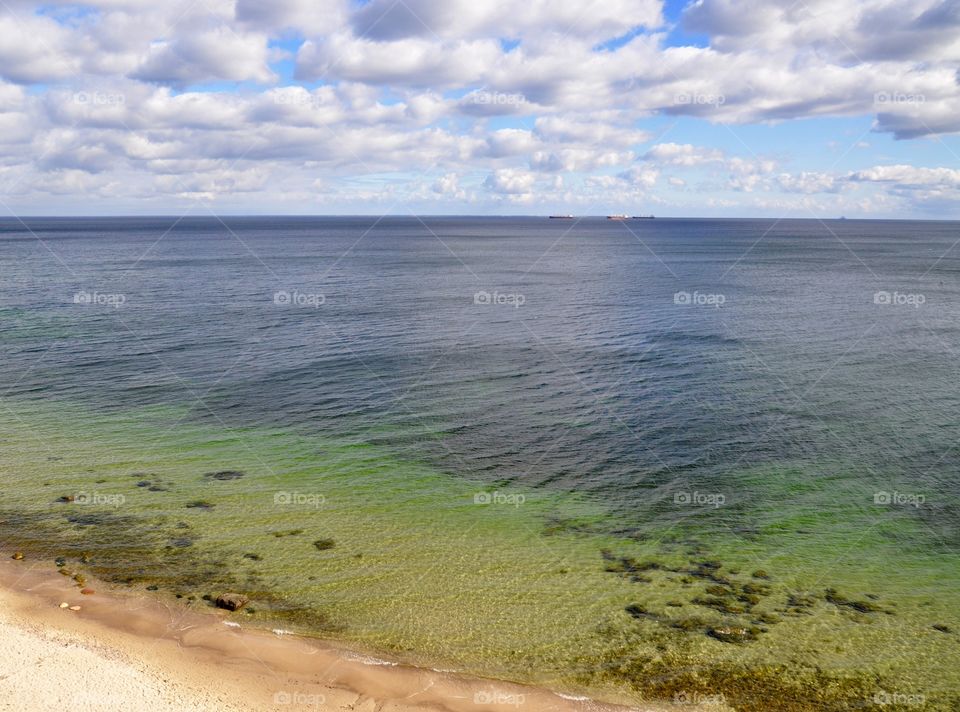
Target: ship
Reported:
point(618, 217)
point(561, 217)
point(643, 217)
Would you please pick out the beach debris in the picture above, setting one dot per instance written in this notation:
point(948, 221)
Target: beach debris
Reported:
point(231, 601)
point(60, 561)
point(74, 608)
point(324, 544)
point(733, 634)
point(17, 556)
point(224, 475)
point(64, 605)
point(87, 591)
point(66, 498)
point(281, 632)
point(232, 624)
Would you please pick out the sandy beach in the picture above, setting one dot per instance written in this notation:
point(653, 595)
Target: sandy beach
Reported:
point(110, 651)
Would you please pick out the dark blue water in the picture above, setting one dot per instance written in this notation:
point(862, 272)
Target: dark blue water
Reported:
point(599, 381)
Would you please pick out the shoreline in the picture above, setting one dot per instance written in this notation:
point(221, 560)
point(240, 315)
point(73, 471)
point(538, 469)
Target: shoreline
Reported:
point(119, 649)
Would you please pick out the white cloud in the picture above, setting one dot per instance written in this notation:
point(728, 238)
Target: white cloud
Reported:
point(510, 181)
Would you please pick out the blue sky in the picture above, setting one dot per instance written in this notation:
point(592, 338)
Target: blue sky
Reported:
point(713, 107)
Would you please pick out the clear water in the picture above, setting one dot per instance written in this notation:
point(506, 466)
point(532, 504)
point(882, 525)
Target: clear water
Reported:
point(539, 491)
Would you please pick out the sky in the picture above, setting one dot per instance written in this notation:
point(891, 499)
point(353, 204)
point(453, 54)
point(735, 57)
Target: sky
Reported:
point(780, 108)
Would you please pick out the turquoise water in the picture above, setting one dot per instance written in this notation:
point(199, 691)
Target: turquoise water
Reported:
point(601, 489)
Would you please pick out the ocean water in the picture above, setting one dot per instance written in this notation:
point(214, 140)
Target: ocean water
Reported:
point(652, 459)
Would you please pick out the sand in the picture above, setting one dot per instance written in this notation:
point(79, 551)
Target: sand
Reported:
point(130, 652)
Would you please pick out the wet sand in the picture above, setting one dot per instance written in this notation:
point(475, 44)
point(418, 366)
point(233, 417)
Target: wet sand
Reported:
point(122, 651)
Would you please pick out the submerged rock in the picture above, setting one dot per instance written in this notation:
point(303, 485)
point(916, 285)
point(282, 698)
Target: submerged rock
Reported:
point(733, 634)
point(200, 504)
point(231, 601)
point(831, 595)
point(324, 544)
point(942, 628)
point(225, 475)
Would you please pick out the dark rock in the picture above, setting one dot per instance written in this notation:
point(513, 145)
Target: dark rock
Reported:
point(288, 532)
point(637, 611)
point(143, 483)
point(760, 574)
point(181, 542)
point(733, 634)
point(231, 601)
point(324, 544)
point(833, 596)
point(153, 587)
point(200, 504)
point(942, 628)
point(720, 604)
point(224, 475)
point(689, 624)
point(253, 557)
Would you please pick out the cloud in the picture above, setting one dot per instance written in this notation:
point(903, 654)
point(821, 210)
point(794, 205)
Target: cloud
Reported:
point(498, 102)
point(510, 181)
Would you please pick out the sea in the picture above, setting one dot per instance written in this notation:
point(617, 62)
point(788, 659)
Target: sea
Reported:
point(679, 460)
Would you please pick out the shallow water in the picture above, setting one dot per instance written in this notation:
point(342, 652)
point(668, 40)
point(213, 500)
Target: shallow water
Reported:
point(520, 490)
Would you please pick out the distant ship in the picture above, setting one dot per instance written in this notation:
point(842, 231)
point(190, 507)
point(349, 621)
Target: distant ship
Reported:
point(561, 217)
point(618, 217)
point(643, 217)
